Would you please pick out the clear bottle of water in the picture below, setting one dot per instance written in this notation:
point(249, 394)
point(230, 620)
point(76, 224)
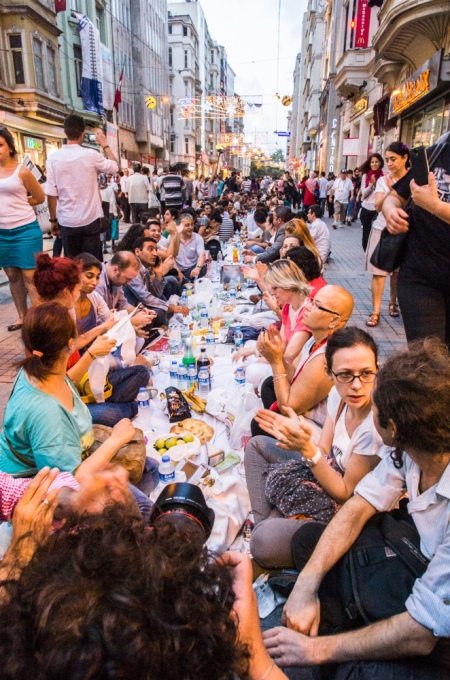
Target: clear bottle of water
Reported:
point(166, 471)
point(142, 419)
point(210, 343)
point(203, 382)
point(174, 373)
point(239, 377)
point(204, 318)
point(238, 337)
point(192, 376)
point(184, 298)
point(232, 294)
point(183, 383)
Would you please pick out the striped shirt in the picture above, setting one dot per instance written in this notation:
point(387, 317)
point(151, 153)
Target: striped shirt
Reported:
point(172, 186)
point(226, 229)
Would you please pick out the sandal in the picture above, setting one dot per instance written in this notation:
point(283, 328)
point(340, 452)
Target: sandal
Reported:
point(393, 309)
point(373, 320)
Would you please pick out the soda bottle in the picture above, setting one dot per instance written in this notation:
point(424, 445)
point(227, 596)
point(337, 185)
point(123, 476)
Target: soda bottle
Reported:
point(188, 357)
point(166, 470)
point(235, 254)
point(203, 361)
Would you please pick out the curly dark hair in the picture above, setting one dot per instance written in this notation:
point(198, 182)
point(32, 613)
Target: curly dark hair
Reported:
point(106, 597)
point(413, 391)
point(133, 232)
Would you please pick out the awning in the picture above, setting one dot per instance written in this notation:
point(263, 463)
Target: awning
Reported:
point(31, 127)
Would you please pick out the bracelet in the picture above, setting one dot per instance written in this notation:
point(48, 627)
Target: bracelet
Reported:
point(279, 376)
point(106, 147)
point(90, 354)
point(53, 220)
point(268, 672)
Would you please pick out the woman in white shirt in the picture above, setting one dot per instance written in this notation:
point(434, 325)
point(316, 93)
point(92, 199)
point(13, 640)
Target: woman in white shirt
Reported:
point(371, 172)
point(20, 234)
point(346, 451)
point(397, 161)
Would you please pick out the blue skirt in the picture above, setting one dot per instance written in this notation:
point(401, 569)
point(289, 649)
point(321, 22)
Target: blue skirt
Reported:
point(20, 246)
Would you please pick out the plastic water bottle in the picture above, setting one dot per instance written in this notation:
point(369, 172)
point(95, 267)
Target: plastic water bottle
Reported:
point(143, 398)
point(232, 294)
point(142, 419)
point(166, 471)
point(204, 318)
point(184, 298)
point(238, 337)
point(210, 343)
point(192, 376)
point(203, 382)
point(183, 383)
point(174, 373)
point(239, 377)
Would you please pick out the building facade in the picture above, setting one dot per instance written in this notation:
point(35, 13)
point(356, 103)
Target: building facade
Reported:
point(31, 89)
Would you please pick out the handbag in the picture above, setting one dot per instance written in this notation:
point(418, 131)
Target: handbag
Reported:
point(390, 250)
point(131, 456)
point(293, 489)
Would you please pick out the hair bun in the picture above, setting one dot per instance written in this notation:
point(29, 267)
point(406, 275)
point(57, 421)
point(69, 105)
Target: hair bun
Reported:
point(44, 261)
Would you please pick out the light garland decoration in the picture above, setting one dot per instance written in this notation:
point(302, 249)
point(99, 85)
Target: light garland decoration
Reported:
point(213, 107)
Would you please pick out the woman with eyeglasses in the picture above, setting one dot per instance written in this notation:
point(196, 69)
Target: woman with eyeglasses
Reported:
point(346, 451)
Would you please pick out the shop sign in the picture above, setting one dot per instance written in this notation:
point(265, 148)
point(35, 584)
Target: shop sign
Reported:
point(362, 24)
point(33, 143)
point(423, 81)
point(359, 107)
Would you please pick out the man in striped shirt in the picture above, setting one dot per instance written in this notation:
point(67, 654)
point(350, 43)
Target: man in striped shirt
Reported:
point(171, 188)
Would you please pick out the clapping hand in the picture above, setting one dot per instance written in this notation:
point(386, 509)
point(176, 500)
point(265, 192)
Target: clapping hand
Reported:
point(271, 302)
point(271, 345)
point(290, 430)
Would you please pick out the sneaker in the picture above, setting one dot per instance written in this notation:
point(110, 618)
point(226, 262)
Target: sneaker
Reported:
point(334, 225)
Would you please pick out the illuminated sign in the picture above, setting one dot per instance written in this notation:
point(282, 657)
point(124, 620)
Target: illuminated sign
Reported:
point(423, 81)
point(33, 143)
point(360, 106)
point(362, 24)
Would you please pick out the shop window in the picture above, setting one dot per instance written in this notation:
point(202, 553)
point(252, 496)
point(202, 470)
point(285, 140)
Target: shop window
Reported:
point(38, 64)
point(77, 60)
point(15, 43)
point(51, 71)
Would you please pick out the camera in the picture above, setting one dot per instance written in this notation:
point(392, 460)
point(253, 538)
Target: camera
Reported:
point(184, 500)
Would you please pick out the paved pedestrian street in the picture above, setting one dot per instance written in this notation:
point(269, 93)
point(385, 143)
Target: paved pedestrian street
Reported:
point(344, 268)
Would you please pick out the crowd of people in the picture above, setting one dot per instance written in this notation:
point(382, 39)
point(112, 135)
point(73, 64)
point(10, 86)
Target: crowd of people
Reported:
point(347, 467)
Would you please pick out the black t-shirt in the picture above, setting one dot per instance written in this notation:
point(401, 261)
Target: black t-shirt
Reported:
point(428, 244)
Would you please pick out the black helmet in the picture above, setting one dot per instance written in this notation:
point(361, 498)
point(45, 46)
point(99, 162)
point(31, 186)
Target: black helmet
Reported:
point(185, 499)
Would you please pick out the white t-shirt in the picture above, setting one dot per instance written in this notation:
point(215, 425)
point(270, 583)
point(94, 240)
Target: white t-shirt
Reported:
point(380, 188)
point(364, 441)
point(72, 177)
point(342, 189)
point(323, 187)
point(138, 188)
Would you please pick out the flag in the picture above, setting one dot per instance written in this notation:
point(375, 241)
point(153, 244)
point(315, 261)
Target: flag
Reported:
point(118, 92)
point(91, 66)
point(60, 6)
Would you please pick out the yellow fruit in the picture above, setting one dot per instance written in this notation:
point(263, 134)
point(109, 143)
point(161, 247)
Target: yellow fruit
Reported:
point(171, 442)
point(162, 451)
point(160, 443)
point(187, 438)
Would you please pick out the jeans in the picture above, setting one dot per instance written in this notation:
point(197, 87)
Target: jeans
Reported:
point(136, 211)
point(257, 249)
point(85, 239)
point(172, 286)
point(425, 309)
point(187, 272)
point(126, 383)
point(367, 217)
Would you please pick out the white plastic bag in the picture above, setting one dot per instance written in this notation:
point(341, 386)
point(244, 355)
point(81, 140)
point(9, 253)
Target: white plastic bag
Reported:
point(97, 373)
point(125, 336)
point(247, 405)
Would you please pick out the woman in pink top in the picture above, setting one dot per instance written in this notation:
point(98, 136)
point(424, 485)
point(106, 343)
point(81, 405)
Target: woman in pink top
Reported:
point(20, 234)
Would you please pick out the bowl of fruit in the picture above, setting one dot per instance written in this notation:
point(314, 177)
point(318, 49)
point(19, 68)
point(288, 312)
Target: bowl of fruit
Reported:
point(177, 446)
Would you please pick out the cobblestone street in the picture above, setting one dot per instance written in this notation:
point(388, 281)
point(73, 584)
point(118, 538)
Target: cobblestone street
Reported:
point(344, 267)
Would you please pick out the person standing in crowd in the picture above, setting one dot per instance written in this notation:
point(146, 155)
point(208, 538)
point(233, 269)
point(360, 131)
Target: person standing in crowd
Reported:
point(357, 193)
point(309, 187)
point(424, 283)
point(397, 161)
point(330, 203)
point(289, 189)
point(72, 190)
point(323, 188)
point(20, 234)
point(172, 186)
point(138, 192)
point(319, 231)
point(123, 195)
point(372, 170)
point(247, 185)
point(188, 188)
point(341, 191)
point(226, 229)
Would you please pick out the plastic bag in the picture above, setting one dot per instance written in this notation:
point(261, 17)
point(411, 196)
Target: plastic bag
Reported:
point(246, 406)
point(125, 336)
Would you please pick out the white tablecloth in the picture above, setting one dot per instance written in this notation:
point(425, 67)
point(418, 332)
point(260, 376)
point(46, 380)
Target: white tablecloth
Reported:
point(228, 496)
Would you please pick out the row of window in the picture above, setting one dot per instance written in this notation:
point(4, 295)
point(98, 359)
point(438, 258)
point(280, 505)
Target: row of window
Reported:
point(44, 60)
point(187, 144)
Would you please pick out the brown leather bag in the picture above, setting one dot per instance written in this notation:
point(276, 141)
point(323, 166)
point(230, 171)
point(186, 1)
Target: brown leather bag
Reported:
point(131, 456)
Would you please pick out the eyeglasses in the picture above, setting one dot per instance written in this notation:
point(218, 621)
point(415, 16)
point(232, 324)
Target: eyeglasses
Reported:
point(313, 303)
point(345, 377)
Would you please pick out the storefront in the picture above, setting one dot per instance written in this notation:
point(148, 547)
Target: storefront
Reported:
point(33, 138)
point(423, 103)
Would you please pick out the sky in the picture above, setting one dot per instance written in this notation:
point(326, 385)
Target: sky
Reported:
point(248, 29)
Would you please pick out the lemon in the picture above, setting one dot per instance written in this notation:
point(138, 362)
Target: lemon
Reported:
point(171, 442)
point(188, 438)
point(160, 443)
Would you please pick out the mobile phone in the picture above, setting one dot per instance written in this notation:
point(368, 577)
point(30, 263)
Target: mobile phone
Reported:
point(419, 165)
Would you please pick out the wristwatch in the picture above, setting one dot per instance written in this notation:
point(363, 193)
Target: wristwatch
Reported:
point(310, 462)
point(53, 220)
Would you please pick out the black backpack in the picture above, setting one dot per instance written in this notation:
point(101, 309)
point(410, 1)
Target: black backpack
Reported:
point(377, 574)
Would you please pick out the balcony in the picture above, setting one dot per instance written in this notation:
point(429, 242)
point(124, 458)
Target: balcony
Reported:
point(352, 69)
point(409, 32)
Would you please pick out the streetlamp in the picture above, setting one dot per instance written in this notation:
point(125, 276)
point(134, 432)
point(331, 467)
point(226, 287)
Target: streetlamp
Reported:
point(219, 149)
